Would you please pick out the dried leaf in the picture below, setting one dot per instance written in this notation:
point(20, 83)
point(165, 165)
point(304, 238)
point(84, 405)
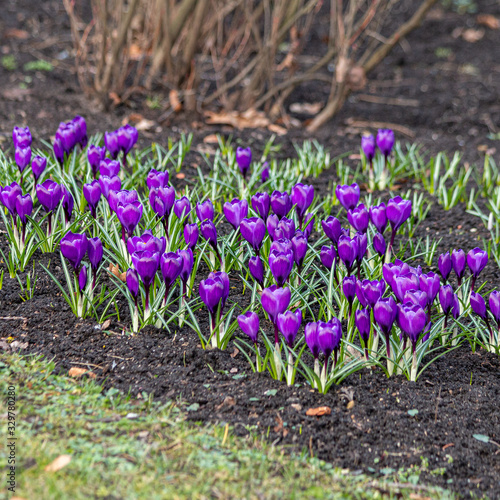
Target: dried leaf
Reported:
point(77, 372)
point(144, 125)
point(279, 421)
point(16, 93)
point(60, 462)
point(491, 22)
point(305, 108)
point(16, 34)
point(180, 175)
point(114, 269)
point(173, 97)
point(472, 36)
point(115, 98)
point(228, 402)
point(276, 129)
point(106, 324)
point(296, 407)
point(249, 119)
point(318, 412)
point(235, 353)
point(350, 405)
point(211, 139)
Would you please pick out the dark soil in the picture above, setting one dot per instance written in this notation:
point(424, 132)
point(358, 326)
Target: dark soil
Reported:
point(456, 397)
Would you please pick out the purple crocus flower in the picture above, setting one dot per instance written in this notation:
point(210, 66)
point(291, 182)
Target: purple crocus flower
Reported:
point(328, 256)
point(235, 211)
point(379, 244)
point(9, 195)
point(68, 203)
point(285, 229)
point(162, 200)
point(249, 324)
point(146, 242)
point(329, 338)
point(49, 194)
point(302, 196)
point(109, 184)
point(129, 215)
point(368, 147)
point(261, 204)
point(80, 126)
point(38, 166)
point(156, 179)
point(363, 324)
point(289, 324)
point(311, 337)
point(132, 279)
point(476, 260)
point(73, 247)
point(275, 300)
point(402, 283)
point(23, 158)
point(21, 137)
point(458, 264)
point(256, 268)
point(430, 284)
point(299, 246)
point(308, 225)
point(191, 234)
point(385, 141)
point(494, 303)
point(182, 208)
point(348, 251)
point(171, 267)
point(398, 211)
point(271, 224)
point(111, 143)
point(392, 269)
point(82, 278)
point(127, 137)
point(146, 264)
point(209, 232)
point(444, 265)
point(361, 240)
point(95, 253)
point(58, 151)
point(332, 228)
point(369, 292)
point(378, 217)
point(281, 264)
point(92, 193)
point(225, 282)
point(24, 207)
point(446, 298)
point(348, 196)
point(416, 297)
point(187, 265)
point(349, 290)
point(95, 155)
point(253, 230)
point(109, 167)
point(358, 218)
point(205, 210)
point(478, 305)
point(385, 312)
point(264, 175)
point(243, 160)
point(281, 203)
point(121, 196)
point(412, 320)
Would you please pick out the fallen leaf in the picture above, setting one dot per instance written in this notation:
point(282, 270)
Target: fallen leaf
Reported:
point(77, 372)
point(211, 139)
point(16, 34)
point(306, 108)
point(276, 129)
point(318, 412)
point(173, 97)
point(279, 426)
point(228, 402)
point(91, 374)
point(489, 21)
point(296, 407)
point(472, 36)
point(145, 125)
point(114, 269)
point(180, 175)
point(16, 93)
point(235, 353)
point(350, 405)
point(60, 462)
point(115, 98)
point(106, 324)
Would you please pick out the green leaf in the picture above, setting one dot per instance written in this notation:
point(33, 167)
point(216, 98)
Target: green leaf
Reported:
point(413, 412)
point(193, 407)
point(271, 392)
point(481, 437)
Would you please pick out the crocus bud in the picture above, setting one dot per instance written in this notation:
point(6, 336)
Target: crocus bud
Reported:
point(332, 228)
point(368, 146)
point(9, 195)
point(477, 260)
point(122, 196)
point(129, 215)
point(73, 247)
point(22, 157)
point(348, 251)
point(38, 166)
point(249, 324)
point(398, 212)
point(369, 292)
point(24, 207)
point(95, 155)
point(82, 278)
point(146, 264)
point(182, 207)
point(68, 202)
point(299, 247)
point(264, 175)
point(289, 324)
point(455, 309)
point(253, 230)
point(348, 196)
point(171, 267)
point(49, 194)
point(109, 184)
point(385, 312)
point(308, 225)
point(94, 252)
point(256, 268)
point(205, 210)
point(385, 141)
point(286, 228)
point(111, 143)
point(379, 244)
point(416, 297)
point(349, 288)
point(446, 298)
point(444, 265)
point(92, 193)
point(271, 224)
point(275, 301)
point(187, 264)
point(329, 336)
point(302, 196)
point(58, 150)
point(478, 305)
point(191, 235)
point(458, 263)
point(243, 160)
point(209, 232)
point(494, 302)
point(127, 137)
point(328, 256)
point(109, 167)
point(80, 126)
point(132, 279)
point(225, 282)
point(21, 137)
point(261, 204)
point(281, 203)
point(358, 218)
point(430, 284)
point(156, 179)
point(378, 217)
point(281, 264)
point(363, 323)
point(312, 341)
point(146, 242)
point(361, 240)
point(402, 283)
point(235, 211)
point(162, 200)
point(412, 320)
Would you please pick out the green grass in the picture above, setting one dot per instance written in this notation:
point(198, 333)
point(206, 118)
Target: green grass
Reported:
point(122, 447)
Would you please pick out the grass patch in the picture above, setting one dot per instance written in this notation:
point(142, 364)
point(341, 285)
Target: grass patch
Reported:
point(122, 447)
